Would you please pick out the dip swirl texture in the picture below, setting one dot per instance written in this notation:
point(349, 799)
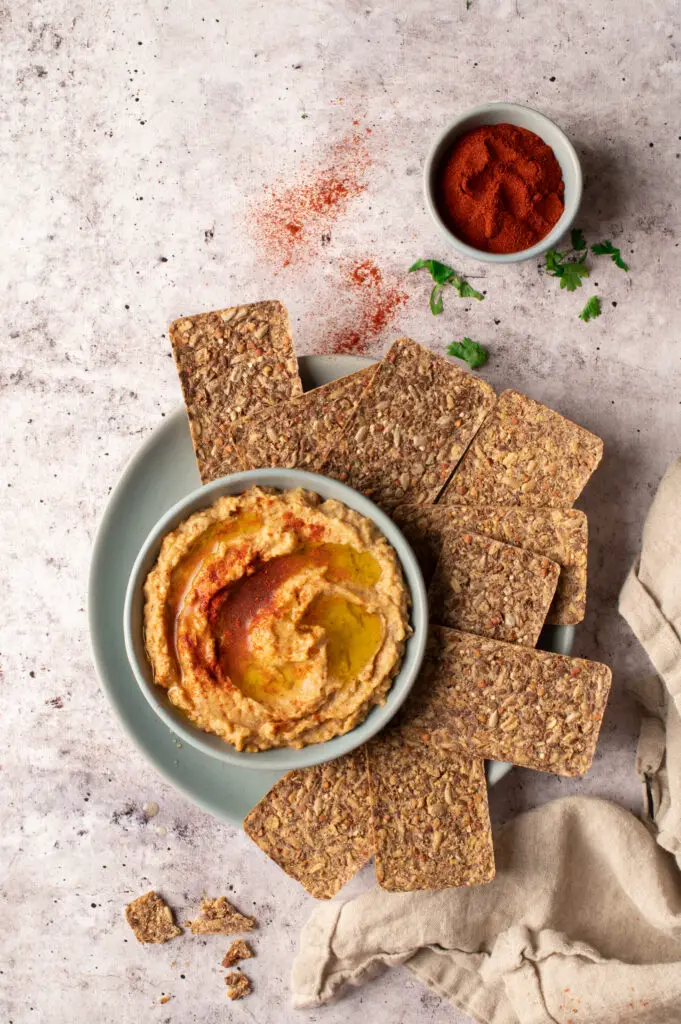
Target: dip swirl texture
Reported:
point(276, 619)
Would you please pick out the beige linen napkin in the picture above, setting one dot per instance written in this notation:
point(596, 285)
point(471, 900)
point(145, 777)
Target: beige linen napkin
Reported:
point(583, 921)
point(651, 603)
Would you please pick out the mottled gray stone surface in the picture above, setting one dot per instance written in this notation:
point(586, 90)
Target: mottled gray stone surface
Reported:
point(134, 139)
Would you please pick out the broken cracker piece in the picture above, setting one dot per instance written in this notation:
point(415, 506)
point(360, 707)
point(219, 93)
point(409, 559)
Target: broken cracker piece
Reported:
point(509, 703)
point(315, 823)
point(493, 589)
point(430, 814)
point(238, 985)
point(297, 434)
point(410, 428)
point(525, 454)
point(239, 950)
point(151, 919)
point(219, 917)
point(232, 362)
point(560, 534)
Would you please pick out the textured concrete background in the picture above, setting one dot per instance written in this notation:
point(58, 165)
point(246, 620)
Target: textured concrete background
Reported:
point(136, 141)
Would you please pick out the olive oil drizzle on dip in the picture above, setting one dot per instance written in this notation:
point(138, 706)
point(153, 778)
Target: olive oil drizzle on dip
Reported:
point(352, 634)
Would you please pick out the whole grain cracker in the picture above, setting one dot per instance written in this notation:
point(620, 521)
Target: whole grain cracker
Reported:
point(410, 428)
point(297, 434)
point(509, 703)
point(151, 919)
point(315, 823)
point(238, 985)
point(232, 362)
point(525, 454)
point(239, 950)
point(430, 815)
point(490, 588)
point(559, 534)
point(219, 917)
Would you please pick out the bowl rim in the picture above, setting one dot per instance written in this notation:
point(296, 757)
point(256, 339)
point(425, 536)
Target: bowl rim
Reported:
point(281, 758)
point(560, 227)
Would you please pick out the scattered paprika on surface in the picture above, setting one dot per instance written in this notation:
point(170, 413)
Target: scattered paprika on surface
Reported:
point(501, 188)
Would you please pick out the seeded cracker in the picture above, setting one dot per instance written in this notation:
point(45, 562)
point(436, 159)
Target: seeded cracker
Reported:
point(559, 534)
point(410, 428)
point(239, 950)
point(430, 814)
point(232, 362)
point(219, 917)
point(295, 434)
point(151, 919)
point(315, 824)
point(238, 985)
point(483, 586)
point(509, 703)
point(525, 454)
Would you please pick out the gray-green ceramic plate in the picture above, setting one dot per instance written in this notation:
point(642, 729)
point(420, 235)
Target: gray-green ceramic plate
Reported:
point(161, 473)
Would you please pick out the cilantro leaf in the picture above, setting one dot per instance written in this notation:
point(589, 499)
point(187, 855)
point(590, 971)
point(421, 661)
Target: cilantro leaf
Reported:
point(578, 240)
point(572, 275)
point(439, 272)
point(466, 291)
point(472, 352)
point(443, 275)
point(608, 249)
point(436, 303)
point(570, 272)
point(591, 310)
point(553, 262)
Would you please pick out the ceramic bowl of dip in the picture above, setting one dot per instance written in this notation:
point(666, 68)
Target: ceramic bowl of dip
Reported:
point(280, 758)
point(521, 117)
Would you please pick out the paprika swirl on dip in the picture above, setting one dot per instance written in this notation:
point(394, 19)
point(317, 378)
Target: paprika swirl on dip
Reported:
point(276, 619)
point(501, 188)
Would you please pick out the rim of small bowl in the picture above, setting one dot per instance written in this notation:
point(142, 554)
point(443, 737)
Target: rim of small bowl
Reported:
point(566, 157)
point(284, 758)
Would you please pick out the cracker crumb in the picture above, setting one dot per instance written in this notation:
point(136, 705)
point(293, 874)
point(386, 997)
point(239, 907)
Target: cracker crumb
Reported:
point(239, 950)
point(237, 984)
point(151, 919)
point(219, 917)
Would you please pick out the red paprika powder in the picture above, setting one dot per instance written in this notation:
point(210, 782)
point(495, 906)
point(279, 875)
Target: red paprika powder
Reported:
point(501, 188)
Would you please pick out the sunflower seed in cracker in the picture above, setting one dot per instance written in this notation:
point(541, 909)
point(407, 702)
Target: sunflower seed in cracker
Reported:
point(509, 703)
point(559, 534)
point(231, 363)
point(493, 589)
point(296, 434)
point(430, 815)
point(410, 427)
point(151, 919)
point(315, 823)
point(525, 454)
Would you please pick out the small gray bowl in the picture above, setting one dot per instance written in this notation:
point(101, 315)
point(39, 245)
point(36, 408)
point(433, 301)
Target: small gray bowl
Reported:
point(523, 117)
point(285, 758)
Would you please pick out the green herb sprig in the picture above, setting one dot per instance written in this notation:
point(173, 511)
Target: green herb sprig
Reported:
point(472, 352)
point(591, 310)
point(572, 267)
point(569, 266)
point(608, 249)
point(443, 276)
